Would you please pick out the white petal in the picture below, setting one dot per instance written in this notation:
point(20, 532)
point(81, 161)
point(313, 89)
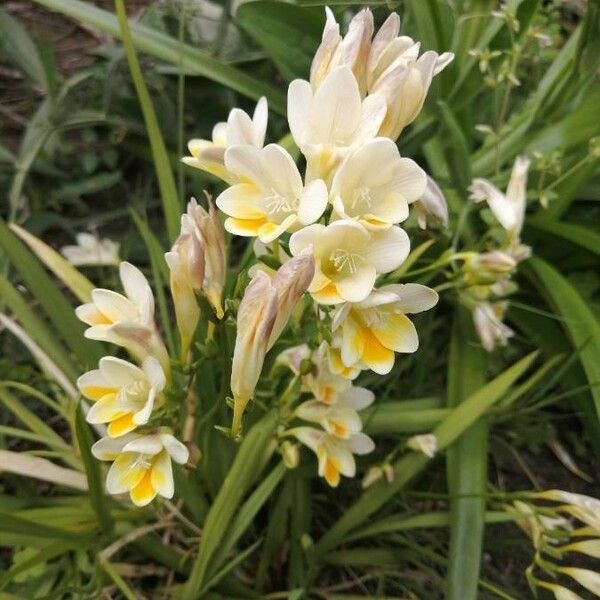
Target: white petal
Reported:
point(114, 306)
point(109, 448)
point(162, 475)
point(119, 371)
point(134, 283)
point(412, 297)
point(176, 450)
point(305, 238)
point(313, 202)
point(299, 102)
point(154, 372)
point(357, 397)
point(284, 176)
point(388, 249)
point(260, 120)
point(358, 285)
point(146, 444)
point(360, 443)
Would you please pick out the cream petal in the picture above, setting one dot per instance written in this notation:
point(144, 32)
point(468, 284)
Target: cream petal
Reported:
point(357, 286)
point(481, 190)
point(105, 410)
point(242, 201)
point(141, 417)
point(309, 436)
point(269, 232)
point(135, 284)
point(312, 410)
point(260, 121)
point(411, 297)
point(119, 371)
point(285, 178)
point(154, 373)
point(357, 397)
point(398, 333)
point(162, 475)
point(176, 450)
point(114, 306)
point(125, 473)
point(352, 346)
point(299, 102)
point(90, 315)
point(305, 238)
point(372, 114)
point(388, 249)
point(360, 443)
point(240, 128)
point(313, 202)
point(109, 448)
point(93, 385)
point(246, 162)
point(145, 444)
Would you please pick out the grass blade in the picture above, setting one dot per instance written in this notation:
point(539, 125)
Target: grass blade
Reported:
point(164, 174)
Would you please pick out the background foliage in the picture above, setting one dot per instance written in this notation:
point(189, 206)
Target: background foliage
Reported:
point(81, 149)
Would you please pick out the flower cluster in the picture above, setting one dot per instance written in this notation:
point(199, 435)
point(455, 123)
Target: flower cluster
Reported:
point(335, 228)
point(560, 524)
point(487, 277)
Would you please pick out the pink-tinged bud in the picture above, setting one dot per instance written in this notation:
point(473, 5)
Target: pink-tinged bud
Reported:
point(215, 254)
point(432, 205)
point(487, 318)
point(255, 320)
point(186, 263)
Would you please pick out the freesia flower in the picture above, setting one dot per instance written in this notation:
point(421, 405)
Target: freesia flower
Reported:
point(239, 129)
point(335, 455)
point(375, 186)
point(91, 250)
point(352, 50)
point(329, 123)
point(487, 318)
point(369, 332)
point(141, 464)
point(124, 395)
point(340, 420)
point(509, 208)
point(292, 358)
point(215, 252)
point(336, 364)
point(270, 198)
point(263, 314)
point(431, 205)
point(186, 265)
point(405, 82)
point(349, 257)
point(125, 320)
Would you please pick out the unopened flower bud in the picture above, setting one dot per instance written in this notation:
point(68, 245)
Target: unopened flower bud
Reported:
point(290, 454)
point(426, 443)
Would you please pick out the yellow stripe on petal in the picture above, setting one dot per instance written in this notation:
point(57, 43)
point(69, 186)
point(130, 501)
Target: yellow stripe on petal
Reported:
point(338, 429)
point(376, 356)
point(121, 425)
point(96, 392)
point(244, 227)
point(331, 473)
point(327, 295)
point(143, 493)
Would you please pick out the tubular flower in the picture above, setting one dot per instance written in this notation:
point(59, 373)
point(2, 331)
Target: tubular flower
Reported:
point(374, 186)
point(487, 318)
point(335, 455)
point(127, 320)
point(124, 395)
point(186, 264)
point(432, 204)
point(141, 464)
point(215, 253)
point(270, 198)
point(263, 314)
point(404, 86)
point(509, 208)
point(91, 250)
point(352, 50)
point(349, 257)
point(369, 332)
point(324, 133)
point(239, 129)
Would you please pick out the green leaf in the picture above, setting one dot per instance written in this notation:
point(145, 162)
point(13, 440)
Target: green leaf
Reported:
point(585, 237)
point(466, 462)
point(54, 303)
point(164, 47)
point(289, 34)
point(457, 151)
point(245, 468)
point(20, 48)
point(92, 471)
point(580, 323)
point(164, 174)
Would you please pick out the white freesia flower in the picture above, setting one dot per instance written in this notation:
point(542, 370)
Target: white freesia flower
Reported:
point(124, 395)
point(329, 123)
point(432, 204)
point(487, 318)
point(91, 250)
point(352, 50)
point(270, 198)
point(508, 208)
point(335, 455)
point(141, 464)
point(186, 265)
point(264, 311)
point(349, 257)
point(125, 320)
point(239, 129)
point(375, 186)
point(371, 331)
point(339, 420)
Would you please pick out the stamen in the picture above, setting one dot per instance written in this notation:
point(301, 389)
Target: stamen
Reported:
point(277, 203)
point(344, 260)
point(361, 196)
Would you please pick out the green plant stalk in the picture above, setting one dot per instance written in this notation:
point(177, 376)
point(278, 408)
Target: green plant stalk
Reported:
point(410, 465)
point(242, 473)
point(166, 181)
point(466, 462)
